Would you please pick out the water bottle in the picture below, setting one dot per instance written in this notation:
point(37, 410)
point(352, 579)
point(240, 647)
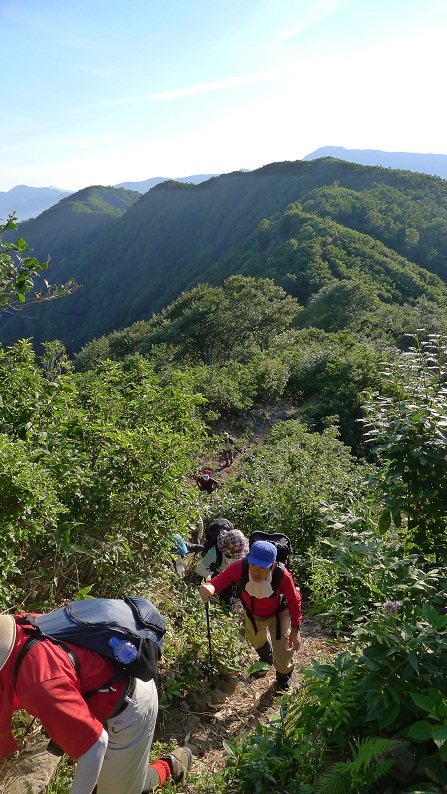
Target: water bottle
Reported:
point(123, 651)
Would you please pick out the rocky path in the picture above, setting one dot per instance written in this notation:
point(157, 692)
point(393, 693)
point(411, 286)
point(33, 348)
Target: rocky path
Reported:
point(235, 706)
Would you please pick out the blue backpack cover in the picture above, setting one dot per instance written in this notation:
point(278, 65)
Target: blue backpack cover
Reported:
point(93, 622)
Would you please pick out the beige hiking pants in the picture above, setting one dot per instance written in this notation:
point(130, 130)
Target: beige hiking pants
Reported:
point(126, 761)
point(282, 658)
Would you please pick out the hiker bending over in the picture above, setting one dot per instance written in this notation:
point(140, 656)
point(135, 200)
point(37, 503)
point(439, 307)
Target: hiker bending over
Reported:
point(109, 733)
point(231, 545)
point(207, 483)
point(180, 548)
point(272, 606)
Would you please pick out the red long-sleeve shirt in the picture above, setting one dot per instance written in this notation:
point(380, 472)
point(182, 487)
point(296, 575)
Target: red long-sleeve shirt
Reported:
point(262, 607)
point(48, 687)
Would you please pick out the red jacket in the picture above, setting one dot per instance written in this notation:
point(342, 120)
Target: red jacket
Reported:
point(48, 687)
point(262, 607)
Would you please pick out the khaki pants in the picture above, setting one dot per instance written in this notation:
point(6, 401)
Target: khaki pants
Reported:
point(126, 761)
point(282, 658)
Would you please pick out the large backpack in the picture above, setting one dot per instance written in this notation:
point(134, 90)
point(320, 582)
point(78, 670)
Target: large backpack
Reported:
point(282, 542)
point(212, 532)
point(92, 623)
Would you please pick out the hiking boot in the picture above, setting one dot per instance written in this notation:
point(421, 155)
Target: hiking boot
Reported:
point(179, 762)
point(283, 681)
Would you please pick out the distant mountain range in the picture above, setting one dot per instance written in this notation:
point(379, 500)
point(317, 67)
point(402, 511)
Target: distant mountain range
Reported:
point(434, 164)
point(29, 202)
point(336, 235)
point(148, 184)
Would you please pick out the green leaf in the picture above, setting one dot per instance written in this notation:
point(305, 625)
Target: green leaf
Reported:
point(385, 521)
point(422, 701)
point(439, 734)
point(412, 658)
point(420, 731)
point(387, 717)
point(228, 749)
point(431, 615)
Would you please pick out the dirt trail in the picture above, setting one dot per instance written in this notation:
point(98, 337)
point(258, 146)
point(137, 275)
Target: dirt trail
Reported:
point(236, 706)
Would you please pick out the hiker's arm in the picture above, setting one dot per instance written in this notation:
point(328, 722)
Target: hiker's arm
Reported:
point(232, 573)
point(293, 596)
point(194, 548)
point(89, 766)
point(206, 591)
point(293, 639)
point(203, 566)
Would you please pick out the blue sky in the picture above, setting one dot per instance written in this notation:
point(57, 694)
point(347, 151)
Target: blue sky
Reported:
point(102, 92)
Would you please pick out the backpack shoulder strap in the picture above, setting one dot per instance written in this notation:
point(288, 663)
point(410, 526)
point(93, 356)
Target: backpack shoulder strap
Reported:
point(219, 558)
point(33, 640)
point(277, 576)
point(244, 576)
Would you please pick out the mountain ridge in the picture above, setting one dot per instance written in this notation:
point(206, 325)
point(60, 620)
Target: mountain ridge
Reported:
point(178, 235)
point(34, 201)
point(29, 202)
point(432, 164)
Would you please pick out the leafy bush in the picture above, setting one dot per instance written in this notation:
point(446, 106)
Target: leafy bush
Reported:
point(409, 438)
point(354, 572)
point(285, 481)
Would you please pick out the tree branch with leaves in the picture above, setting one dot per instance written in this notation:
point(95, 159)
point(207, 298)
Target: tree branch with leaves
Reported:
point(18, 272)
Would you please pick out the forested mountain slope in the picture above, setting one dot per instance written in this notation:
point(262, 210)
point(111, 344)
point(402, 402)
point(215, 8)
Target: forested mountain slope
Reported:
point(67, 227)
point(179, 235)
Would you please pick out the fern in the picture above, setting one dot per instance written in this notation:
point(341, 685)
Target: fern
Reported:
point(334, 706)
point(334, 782)
point(363, 772)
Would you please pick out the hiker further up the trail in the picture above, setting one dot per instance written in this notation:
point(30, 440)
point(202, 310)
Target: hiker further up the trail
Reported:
point(228, 449)
point(103, 720)
point(206, 482)
point(272, 605)
point(231, 545)
point(180, 548)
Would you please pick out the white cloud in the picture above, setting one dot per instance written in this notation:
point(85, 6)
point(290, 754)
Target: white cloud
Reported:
point(216, 85)
point(93, 70)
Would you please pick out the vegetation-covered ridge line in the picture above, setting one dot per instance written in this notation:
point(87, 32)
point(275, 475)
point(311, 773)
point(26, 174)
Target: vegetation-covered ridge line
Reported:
point(174, 237)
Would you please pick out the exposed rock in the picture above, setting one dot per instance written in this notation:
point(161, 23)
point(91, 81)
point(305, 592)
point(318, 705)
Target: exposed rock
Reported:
point(405, 761)
point(30, 772)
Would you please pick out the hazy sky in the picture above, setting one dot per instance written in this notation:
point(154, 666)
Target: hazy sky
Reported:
point(102, 92)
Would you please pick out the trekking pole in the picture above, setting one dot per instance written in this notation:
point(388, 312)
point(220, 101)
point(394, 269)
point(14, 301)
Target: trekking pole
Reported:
point(208, 627)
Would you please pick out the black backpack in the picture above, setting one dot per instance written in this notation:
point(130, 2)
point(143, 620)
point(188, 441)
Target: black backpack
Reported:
point(212, 532)
point(282, 542)
point(92, 623)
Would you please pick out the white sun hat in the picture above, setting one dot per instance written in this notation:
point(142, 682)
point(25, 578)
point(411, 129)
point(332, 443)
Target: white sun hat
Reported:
point(7, 638)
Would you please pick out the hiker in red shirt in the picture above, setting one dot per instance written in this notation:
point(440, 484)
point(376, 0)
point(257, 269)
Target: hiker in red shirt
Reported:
point(267, 613)
point(108, 731)
point(206, 482)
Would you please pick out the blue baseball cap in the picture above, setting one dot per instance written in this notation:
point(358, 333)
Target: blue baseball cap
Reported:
point(262, 553)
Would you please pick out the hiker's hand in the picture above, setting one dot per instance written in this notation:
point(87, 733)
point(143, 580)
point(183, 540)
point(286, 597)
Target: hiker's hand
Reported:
point(293, 640)
point(206, 591)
